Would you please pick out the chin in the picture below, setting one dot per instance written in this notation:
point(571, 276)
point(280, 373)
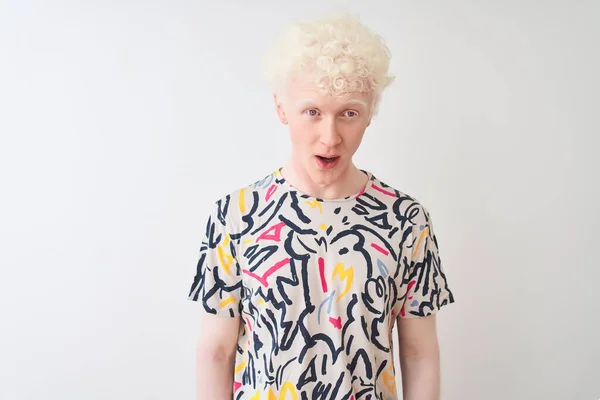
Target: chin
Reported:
point(325, 176)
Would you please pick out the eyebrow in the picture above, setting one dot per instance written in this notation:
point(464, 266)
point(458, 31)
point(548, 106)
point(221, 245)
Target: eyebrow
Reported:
point(311, 102)
point(305, 103)
point(359, 102)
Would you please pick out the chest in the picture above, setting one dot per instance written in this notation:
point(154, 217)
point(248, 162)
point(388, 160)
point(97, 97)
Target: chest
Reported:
point(320, 254)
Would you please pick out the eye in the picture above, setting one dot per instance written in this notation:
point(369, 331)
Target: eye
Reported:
point(312, 112)
point(351, 113)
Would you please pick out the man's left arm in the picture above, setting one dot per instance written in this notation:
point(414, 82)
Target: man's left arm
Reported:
point(419, 358)
point(424, 291)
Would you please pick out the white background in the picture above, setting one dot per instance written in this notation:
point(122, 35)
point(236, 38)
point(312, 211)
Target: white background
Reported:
point(122, 121)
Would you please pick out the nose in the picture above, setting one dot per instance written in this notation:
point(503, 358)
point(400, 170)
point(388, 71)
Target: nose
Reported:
point(329, 134)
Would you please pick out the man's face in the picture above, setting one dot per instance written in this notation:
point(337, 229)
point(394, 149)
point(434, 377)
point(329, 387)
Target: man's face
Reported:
point(325, 130)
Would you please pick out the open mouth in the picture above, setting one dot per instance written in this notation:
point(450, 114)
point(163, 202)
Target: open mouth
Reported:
point(327, 162)
point(327, 159)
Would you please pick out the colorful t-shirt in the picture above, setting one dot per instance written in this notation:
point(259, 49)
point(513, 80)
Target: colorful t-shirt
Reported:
point(318, 285)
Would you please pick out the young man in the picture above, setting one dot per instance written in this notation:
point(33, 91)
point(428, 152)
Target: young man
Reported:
point(304, 273)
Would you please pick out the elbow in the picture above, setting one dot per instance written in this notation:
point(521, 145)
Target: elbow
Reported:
point(420, 353)
point(214, 353)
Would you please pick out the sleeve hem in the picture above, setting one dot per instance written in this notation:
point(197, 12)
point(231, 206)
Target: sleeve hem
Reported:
point(207, 308)
point(431, 312)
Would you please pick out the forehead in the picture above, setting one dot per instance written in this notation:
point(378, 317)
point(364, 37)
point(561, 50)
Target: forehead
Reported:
point(304, 90)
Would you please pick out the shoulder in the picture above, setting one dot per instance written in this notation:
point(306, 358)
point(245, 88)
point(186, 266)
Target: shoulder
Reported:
point(407, 208)
point(235, 203)
point(257, 187)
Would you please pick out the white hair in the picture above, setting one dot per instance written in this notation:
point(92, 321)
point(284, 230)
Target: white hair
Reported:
point(341, 54)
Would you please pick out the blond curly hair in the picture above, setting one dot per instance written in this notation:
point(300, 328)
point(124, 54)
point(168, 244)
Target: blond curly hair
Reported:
point(340, 53)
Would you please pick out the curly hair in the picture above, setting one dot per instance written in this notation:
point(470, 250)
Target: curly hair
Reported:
point(338, 51)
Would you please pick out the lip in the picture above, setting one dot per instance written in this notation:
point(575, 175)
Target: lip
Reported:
point(328, 155)
point(324, 165)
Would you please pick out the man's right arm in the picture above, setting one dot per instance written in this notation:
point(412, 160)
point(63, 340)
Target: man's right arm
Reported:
point(215, 357)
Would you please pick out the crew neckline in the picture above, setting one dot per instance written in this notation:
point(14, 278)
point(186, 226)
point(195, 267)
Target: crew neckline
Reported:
point(283, 181)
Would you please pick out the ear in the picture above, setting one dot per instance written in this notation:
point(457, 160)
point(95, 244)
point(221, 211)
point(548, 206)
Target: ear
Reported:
point(279, 109)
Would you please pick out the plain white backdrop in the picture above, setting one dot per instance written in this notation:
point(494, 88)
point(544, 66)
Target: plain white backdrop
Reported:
point(121, 122)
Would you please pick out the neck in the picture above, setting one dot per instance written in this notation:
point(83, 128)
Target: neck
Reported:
point(347, 183)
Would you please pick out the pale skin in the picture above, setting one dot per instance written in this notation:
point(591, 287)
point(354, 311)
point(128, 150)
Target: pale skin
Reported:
point(328, 126)
point(215, 357)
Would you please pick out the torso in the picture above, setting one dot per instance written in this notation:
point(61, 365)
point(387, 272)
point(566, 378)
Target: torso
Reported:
point(322, 284)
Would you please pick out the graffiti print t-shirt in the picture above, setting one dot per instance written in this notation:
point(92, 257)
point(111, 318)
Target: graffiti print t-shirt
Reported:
point(318, 285)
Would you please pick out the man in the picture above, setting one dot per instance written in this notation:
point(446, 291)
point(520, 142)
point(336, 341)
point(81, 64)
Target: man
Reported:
point(304, 273)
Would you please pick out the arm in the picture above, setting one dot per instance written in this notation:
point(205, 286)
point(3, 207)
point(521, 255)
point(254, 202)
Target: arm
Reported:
point(215, 357)
point(419, 358)
point(217, 286)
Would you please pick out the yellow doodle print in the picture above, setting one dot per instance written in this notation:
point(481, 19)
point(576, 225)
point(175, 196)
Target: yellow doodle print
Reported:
point(315, 203)
point(287, 387)
point(345, 274)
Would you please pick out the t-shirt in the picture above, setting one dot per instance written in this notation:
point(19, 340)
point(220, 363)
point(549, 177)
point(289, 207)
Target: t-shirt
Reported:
point(318, 285)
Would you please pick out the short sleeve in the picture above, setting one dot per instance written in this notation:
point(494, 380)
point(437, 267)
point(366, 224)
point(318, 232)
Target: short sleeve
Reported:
point(424, 281)
point(217, 283)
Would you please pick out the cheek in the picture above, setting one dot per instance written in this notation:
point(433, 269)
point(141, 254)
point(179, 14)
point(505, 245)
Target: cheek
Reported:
point(353, 137)
point(301, 133)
